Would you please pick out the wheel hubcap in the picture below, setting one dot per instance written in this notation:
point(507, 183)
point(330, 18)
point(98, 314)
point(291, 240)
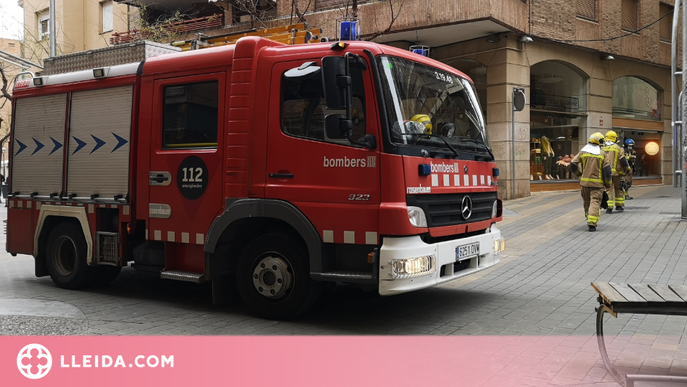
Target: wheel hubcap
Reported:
point(272, 277)
point(65, 256)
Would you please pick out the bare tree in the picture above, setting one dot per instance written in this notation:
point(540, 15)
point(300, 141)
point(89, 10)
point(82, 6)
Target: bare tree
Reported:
point(5, 96)
point(350, 8)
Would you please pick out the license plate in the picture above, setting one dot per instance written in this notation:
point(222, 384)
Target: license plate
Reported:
point(467, 251)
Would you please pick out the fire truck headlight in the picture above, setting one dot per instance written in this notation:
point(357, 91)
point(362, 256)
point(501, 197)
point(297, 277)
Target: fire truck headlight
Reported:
point(412, 267)
point(499, 245)
point(494, 209)
point(417, 216)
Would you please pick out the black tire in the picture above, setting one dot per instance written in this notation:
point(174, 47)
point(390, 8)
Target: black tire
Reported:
point(66, 257)
point(273, 277)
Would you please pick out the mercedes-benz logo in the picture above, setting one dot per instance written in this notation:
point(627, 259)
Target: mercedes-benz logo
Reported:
point(466, 207)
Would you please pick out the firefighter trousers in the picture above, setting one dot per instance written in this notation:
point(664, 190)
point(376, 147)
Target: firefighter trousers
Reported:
point(592, 204)
point(616, 196)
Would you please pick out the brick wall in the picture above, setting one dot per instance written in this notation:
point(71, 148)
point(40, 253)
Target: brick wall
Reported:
point(557, 20)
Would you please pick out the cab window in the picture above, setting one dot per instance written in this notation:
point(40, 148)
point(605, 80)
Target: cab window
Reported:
point(304, 110)
point(190, 115)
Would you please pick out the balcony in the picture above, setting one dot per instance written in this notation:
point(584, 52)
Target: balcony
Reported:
point(170, 29)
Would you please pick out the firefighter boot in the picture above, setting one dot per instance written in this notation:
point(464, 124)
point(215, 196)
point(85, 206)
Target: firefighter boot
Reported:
point(619, 208)
point(592, 228)
point(609, 211)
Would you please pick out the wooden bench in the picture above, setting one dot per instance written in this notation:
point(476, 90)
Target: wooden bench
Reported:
point(617, 298)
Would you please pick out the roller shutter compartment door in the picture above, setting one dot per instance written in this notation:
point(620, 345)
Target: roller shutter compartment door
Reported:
point(38, 145)
point(100, 131)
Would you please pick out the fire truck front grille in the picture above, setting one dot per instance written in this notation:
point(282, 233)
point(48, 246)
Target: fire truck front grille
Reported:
point(107, 248)
point(447, 209)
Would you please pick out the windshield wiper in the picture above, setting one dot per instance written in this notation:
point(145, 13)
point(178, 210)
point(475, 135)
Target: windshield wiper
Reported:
point(455, 152)
point(476, 146)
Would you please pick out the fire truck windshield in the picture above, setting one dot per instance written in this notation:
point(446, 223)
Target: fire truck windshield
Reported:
point(428, 107)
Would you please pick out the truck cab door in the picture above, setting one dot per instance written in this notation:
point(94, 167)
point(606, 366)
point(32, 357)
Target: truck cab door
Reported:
point(185, 179)
point(336, 184)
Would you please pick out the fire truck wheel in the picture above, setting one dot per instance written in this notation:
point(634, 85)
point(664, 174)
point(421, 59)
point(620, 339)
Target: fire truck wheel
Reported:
point(66, 257)
point(274, 277)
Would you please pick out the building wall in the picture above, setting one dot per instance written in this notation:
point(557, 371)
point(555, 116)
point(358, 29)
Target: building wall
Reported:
point(13, 47)
point(508, 65)
point(78, 26)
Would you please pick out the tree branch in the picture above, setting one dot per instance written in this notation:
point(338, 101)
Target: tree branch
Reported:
point(391, 24)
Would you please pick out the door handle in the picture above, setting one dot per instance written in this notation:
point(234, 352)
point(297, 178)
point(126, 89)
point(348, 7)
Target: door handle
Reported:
point(161, 178)
point(281, 175)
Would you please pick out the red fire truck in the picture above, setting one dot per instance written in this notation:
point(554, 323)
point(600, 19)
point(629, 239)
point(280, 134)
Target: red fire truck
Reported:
point(268, 168)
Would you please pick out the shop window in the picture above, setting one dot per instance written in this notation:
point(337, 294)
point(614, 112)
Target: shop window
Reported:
point(586, 9)
point(647, 161)
point(629, 15)
point(665, 27)
point(558, 104)
point(554, 141)
point(635, 98)
point(190, 115)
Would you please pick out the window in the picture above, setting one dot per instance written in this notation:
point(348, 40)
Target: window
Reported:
point(43, 18)
point(304, 110)
point(630, 15)
point(107, 16)
point(635, 98)
point(587, 9)
point(190, 115)
point(665, 28)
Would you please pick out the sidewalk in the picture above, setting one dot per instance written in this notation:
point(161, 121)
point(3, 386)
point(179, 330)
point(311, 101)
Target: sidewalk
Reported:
point(543, 283)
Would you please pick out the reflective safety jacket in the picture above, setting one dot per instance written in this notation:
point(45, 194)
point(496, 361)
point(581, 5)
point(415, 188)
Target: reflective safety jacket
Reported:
point(619, 164)
point(593, 166)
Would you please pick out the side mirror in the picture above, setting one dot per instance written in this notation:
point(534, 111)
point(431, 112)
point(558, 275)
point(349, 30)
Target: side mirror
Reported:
point(333, 128)
point(337, 127)
point(335, 81)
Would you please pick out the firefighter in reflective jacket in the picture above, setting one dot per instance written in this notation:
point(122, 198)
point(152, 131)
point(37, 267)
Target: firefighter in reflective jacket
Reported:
point(593, 166)
point(619, 167)
point(631, 156)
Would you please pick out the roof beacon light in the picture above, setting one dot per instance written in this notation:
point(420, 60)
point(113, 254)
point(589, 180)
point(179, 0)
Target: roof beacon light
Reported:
point(420, 49)
point(348, 28)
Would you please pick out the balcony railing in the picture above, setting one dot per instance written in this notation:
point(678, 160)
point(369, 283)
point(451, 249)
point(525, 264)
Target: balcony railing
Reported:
point(170, 29)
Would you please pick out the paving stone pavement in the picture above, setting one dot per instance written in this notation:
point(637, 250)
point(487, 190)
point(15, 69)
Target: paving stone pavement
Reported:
point(540, 290)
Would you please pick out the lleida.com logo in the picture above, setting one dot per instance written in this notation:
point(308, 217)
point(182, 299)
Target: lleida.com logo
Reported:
point(34, 361)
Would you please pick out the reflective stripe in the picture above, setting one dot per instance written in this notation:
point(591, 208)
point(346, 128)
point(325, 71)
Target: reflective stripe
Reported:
point(592, 219)
point(616, 149)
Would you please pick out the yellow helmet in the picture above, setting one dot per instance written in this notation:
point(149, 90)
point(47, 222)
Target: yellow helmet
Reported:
point(424, 120)
point(611, 136)
point(596, 138)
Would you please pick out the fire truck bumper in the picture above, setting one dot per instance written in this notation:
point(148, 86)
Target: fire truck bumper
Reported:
point(408, 263)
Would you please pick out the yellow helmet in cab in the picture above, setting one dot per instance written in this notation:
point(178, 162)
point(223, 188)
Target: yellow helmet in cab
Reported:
point(611, 136)
point(424, 120)
point(596, 138)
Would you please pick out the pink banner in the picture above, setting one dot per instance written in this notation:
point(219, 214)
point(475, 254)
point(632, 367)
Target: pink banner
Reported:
point(285, 360)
